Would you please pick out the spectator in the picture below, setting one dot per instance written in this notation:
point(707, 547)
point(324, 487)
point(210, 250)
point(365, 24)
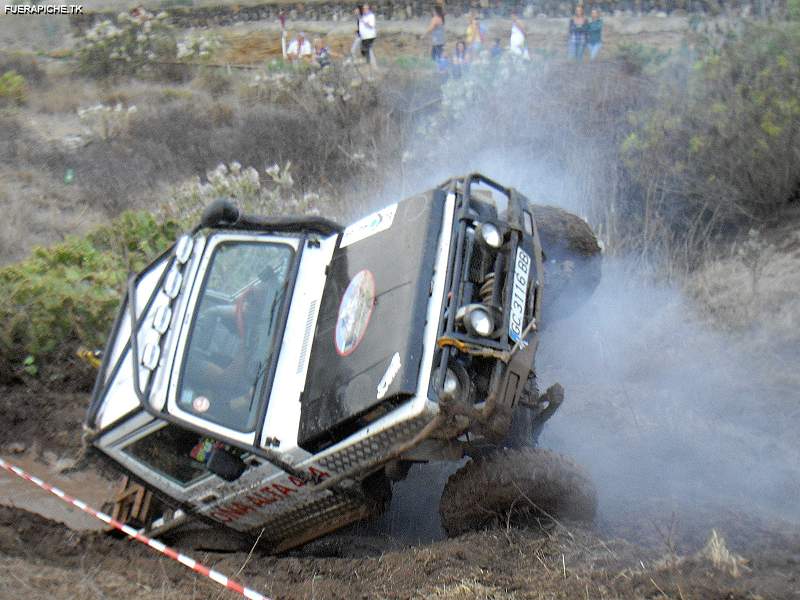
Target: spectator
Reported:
point(517, 44)
point(367, 32)
point(476, 34)
point(356, 47)
point(460, 60)
point(299, 48)
point(436, 29)
point(577, 34)
point(322, 56)
point(497, 50)
point(594, 35)
point(282, 20)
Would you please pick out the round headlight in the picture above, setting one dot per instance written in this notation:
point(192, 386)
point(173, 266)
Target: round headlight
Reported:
point(480, 321)
point(450, 386)
point(490, 234)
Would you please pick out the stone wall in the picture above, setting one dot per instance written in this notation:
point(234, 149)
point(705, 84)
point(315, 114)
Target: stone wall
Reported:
point(392, 10)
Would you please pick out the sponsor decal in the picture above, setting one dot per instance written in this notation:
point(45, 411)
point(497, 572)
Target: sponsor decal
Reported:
point(388, 377)
point(369, 226)
point(270, 493)
point(355, 310)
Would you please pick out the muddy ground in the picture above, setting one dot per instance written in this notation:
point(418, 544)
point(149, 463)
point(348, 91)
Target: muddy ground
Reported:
point(650, 548)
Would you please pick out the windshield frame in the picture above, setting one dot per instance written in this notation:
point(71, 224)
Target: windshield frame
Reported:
point(261, 398)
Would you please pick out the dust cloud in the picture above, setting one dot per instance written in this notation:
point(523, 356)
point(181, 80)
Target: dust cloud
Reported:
point(668, 415)
point(682, 427)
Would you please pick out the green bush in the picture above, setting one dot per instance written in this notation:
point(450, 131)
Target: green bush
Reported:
point(67, 295)
point(722, 137)
point(13, 89)
point(135, 44)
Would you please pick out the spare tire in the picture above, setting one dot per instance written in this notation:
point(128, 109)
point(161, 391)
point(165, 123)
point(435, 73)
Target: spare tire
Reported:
point(521, 486)
point(572, 260)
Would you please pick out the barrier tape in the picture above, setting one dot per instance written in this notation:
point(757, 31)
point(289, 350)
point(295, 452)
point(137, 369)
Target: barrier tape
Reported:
point(195, 566)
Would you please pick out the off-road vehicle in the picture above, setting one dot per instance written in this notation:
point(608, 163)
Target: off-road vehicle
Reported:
point(272, 375)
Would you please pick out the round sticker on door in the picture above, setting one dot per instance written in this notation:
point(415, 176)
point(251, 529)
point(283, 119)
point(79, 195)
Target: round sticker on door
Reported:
point(201, 404)
point(354, 312)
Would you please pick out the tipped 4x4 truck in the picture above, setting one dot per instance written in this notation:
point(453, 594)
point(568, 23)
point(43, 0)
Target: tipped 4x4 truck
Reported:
point(274, 375)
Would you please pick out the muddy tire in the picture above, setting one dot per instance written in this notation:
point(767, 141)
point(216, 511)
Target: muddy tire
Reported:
point(572, 263)
point(519, 486)
point(197, 536)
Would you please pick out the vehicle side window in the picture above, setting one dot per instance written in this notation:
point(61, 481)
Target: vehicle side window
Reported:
point(168, 451)
point(236, 316)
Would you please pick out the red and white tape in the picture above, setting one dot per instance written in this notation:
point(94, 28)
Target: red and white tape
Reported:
point(131, 532)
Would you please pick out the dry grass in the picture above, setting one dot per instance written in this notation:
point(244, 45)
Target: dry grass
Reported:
point(468, 589)
point(37, 212)
point(64, 95)
point(759, 293)
point(716, 551)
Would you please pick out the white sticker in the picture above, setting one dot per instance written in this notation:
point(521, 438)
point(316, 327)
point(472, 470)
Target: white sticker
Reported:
point(369, 226)
point(201, 404)
point(388, 377)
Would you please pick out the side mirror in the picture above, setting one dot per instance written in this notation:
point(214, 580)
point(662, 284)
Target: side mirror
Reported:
point(225, 464)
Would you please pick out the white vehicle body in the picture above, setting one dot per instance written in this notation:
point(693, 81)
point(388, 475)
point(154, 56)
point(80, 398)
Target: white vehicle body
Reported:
point(301, 467)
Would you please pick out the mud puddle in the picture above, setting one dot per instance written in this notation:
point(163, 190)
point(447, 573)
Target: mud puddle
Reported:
point(85, 485)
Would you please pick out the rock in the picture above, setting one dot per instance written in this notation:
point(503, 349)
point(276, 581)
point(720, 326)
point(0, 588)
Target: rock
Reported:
point(16, 448)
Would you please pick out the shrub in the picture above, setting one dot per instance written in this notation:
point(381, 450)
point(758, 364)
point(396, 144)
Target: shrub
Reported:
point(213, 81)
point(106, 122)
point(198, 46)
point(67, 295)
point(723, 144)
point(134, 44)
point(23, 64)
point(270, 195)
point(13, 89)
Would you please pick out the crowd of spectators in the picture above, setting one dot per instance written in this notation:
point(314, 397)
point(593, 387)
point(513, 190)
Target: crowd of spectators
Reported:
point(584, 37)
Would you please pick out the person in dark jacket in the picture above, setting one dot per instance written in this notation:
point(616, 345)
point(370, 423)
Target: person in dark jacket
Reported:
point(594, 34)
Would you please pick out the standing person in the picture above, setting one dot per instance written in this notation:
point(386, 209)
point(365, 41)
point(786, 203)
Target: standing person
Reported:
point(367, 31)
point(517, 44)
point(282, 21)
point(436, 29)
point(594, 36)
point(475, 36)
point(577, 34)
point(356, 47)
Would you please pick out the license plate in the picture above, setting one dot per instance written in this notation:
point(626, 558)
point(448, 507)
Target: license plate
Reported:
point(519, 295)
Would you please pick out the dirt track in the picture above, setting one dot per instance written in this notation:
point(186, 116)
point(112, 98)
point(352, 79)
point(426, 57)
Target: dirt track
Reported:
point(639, 554)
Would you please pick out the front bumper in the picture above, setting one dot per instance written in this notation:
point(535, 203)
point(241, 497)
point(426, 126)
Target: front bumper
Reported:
point(492, 369)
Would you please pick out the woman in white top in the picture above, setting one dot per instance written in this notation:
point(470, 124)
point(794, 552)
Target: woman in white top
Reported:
point(367, 33)
point(517, 44)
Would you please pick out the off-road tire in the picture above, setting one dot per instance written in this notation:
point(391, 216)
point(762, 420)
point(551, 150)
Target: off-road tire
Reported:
point(519, 486)
point(572, 261)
